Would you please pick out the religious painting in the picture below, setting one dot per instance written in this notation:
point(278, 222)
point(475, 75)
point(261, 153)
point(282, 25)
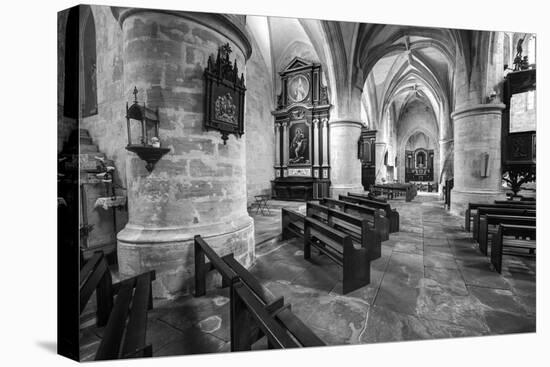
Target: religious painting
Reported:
point(299, 144)
point(298, 88)
point(225, 89)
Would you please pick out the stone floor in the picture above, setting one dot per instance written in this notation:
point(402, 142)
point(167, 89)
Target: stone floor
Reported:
point(431, 282)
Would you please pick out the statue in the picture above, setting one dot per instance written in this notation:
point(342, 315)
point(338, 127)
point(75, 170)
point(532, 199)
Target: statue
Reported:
point(518, 59)
point(299, 145)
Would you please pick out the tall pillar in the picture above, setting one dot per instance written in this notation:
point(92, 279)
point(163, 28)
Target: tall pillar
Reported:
point(477, 131)
point(446, 163)
point(199, 187)
point(344, 163)
point(380, 149)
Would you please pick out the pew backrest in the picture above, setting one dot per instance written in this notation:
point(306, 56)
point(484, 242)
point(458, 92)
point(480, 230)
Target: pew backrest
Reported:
point(358, 228)
point(493, 219)
point(510, 230)
point(377, 217)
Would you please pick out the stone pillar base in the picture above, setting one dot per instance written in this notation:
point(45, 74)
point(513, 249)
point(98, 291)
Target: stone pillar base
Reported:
point(336, 190)
point(460, 199)
point(170, 253)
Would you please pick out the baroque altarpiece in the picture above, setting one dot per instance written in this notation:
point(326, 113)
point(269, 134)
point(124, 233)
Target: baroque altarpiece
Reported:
point(302, 157)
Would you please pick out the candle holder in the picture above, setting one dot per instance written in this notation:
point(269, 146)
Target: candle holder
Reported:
point(149, 121)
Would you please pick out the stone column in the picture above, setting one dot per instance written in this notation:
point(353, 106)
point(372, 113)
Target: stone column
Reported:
point(380, 149)
point(446, 163)
point(477, 130)
point(285, 148)
point(344, 164)
point(316, 148)
point(199, 187)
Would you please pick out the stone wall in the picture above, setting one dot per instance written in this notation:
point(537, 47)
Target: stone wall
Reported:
point(259, 130)
point(108, 127)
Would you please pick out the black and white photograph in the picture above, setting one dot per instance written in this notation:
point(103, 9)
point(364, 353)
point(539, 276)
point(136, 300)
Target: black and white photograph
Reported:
point(244, 181)
point(206, 230)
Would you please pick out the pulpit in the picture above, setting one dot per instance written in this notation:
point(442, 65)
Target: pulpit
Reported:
point(302, 168)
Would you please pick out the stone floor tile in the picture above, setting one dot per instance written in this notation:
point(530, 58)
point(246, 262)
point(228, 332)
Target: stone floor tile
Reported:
point(431, 282)
point(193, 341)
point(450, 280)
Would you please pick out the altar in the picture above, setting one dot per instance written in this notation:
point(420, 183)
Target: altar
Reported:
point(302, 164)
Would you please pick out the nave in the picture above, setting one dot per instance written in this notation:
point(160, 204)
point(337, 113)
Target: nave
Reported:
point(430, 282)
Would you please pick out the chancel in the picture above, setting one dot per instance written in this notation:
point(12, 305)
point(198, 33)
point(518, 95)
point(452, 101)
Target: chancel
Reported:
point(251, 182)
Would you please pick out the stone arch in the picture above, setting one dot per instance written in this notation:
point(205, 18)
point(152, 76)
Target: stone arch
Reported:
point(401, 151)
point(70, 84)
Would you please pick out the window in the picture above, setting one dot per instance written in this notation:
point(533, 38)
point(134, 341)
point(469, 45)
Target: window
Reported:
point(89, 66)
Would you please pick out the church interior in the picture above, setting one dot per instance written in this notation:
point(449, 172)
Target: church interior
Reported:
point(201, 157)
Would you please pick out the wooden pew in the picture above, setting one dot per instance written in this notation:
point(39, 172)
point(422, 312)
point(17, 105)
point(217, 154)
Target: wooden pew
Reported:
point(376, 218)
point(482, 210)
point(393, 190)
point(516, 202)
point(499, 241)
point(490, 219)
point(358, 228)
point(243, 333)
point(338, 246)
point(292, 224)
point(363, 199)
point(468, 216)
point(125, 318)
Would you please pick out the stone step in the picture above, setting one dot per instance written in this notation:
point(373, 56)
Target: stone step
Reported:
point(83, 133)
point(86, 140)
point(88, 148)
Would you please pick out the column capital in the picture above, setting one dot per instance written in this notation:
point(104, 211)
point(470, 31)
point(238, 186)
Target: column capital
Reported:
point(228, 25)
point(348, 123)
point(478, 109)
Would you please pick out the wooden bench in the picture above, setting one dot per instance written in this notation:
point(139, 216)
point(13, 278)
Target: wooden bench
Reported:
point(499, 241)
point(271, 316)
point(338, 246)
point(292, 224)
point(376, 217)
point(363, 199)
point(498, 211)
point(394, 190)
point(358, 228)
point(516, 202)
point(490, 219)
point(468, 215)
point(125, 318)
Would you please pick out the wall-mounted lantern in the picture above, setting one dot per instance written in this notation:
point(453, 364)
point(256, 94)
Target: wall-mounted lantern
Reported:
point(147, 146)
point(484, 166)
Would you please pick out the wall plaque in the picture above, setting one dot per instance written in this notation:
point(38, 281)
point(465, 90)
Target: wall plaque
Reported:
point(224, 99)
